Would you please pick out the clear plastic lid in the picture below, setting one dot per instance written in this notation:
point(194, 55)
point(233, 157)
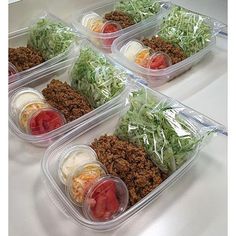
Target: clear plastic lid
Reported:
point(81, 179)
point(106, 199)
point(45, 120)
point(74, 157)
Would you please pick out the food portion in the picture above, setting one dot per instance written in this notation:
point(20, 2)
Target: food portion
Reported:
point(96, 78)
point(73, 158)
point(158, 126)
point(50, 38)
point(157, 44)
point(138, 9)
point(148, 55)
point(122, 18)
point(181, 34)
point(44, 121)
point(24, 58)
point(185, 29)
point(28, 110)
point(47, 39)
point(82, 179)
point(130, 163)
point(152, 139)
point(94, 82)
point(67, 100)
point(106, 199)
point(123, 15)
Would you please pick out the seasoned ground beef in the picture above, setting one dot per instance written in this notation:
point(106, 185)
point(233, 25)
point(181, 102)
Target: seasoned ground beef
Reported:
point(120, 17)
point(64, 98)
point(158, 44)
point(24, 58)
point(130, 163)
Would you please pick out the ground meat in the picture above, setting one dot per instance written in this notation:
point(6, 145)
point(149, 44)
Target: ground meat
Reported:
point(120, 17)
point(24, 58)
point(158, 44)
point(64, 98)
point(130, 163)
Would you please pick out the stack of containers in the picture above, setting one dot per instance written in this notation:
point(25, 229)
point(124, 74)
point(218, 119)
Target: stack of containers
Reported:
point(53, 38)
point(126, 109)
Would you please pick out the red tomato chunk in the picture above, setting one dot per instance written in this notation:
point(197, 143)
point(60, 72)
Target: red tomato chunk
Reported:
point(45, 121)
point(158, 62)
point(106, 201)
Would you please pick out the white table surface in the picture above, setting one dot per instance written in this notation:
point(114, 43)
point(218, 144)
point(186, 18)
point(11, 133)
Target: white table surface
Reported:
point(196, 205)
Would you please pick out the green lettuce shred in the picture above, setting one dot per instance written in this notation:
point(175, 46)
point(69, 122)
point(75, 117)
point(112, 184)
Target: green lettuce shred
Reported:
point(157, 126)
point(50, 38)
point(96, 78)
point(139, 9)
point(186, 29)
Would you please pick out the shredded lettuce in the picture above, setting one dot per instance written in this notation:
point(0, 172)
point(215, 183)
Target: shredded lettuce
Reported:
point(50, 38)
point(186, 29)
point(139, 9)
point(96, 78)
point(168, 138)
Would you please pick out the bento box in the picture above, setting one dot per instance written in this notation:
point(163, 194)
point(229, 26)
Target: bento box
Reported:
point(70, 93)
point(45, 42)
point(119, 139)
point(167, 47)
point(103, 22)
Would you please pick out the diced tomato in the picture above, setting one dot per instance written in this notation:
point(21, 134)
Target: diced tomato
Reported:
point(45, 121)
point(106, 200)
point(110, 28)
point(159, 62)
point(112, 202)
point(100, 207)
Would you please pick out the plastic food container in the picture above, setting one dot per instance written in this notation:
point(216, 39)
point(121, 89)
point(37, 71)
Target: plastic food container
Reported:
point(60, 72)
point(85, 134)
point(155, 78)
point(104, 40)
point(19, 38)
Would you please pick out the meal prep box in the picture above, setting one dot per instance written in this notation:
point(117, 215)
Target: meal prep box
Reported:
point(61, 72)
point(20, 37)
point(106, 123)
point(101, 8)
point(155, 78)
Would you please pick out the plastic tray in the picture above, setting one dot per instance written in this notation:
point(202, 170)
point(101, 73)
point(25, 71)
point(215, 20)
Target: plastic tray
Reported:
point(59, 71)
point(19, 38)
point(101, 8)
point(155, 78)
point(85, 134)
